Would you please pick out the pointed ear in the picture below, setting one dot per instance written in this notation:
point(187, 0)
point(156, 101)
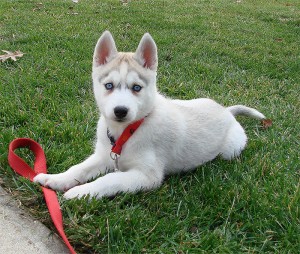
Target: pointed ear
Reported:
point(105, 49)
point(146, 53)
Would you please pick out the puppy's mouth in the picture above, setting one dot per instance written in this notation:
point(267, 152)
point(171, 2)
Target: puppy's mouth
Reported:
point(120, 120)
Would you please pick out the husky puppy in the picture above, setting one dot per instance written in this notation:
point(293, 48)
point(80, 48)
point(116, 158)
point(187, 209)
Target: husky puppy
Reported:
point(175, 135)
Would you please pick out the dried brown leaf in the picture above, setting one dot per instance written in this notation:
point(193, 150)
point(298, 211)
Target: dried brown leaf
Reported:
point(38, 7)
point(10, 55)
point(266, 123)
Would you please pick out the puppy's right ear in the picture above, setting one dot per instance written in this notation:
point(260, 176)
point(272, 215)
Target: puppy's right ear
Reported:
point(105, 49)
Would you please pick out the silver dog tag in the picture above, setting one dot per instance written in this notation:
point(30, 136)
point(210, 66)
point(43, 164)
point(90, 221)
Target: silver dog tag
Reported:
point(115, 158)
point(116, 163)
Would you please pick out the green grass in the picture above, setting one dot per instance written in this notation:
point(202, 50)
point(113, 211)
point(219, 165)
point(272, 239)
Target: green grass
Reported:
point(243, 52)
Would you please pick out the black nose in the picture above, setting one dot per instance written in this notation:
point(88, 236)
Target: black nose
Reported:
point(120, 112)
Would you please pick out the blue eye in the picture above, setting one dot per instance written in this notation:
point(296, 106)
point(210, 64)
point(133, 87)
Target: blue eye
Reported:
point(136, 88)
point(109, 86)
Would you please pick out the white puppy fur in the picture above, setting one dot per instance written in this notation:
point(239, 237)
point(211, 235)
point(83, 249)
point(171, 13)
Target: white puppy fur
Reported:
point(175, 136)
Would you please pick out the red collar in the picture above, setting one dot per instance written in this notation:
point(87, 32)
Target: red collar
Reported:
point(127, 133)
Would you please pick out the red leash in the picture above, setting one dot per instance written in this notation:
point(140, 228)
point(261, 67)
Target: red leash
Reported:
point(23, 169)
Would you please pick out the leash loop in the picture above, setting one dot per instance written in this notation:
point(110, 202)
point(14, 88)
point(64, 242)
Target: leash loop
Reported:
point(23, 169)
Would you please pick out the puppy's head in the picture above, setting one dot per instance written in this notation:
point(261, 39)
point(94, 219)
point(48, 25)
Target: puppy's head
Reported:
point(124, 83)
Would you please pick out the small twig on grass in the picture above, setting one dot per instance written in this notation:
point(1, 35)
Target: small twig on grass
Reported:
point(229, 213)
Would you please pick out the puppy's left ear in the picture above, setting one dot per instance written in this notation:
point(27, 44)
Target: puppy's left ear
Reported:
point(146, 53)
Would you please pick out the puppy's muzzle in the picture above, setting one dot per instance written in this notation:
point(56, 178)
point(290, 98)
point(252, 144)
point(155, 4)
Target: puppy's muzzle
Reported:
point(120, 112)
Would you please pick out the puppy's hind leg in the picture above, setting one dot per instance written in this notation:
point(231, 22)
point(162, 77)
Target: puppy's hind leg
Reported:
point(234, 142)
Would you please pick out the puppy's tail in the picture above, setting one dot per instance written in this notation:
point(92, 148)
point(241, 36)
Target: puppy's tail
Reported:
point(246, 111)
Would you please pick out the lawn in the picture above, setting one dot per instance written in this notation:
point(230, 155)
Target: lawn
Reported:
point(236, 52)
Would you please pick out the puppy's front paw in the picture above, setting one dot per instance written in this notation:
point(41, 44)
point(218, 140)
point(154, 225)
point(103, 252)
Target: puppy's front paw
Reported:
point(82, 191)
point(76, 192)
point(58, 182)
